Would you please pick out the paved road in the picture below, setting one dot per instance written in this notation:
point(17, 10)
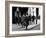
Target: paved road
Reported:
point(30, 27)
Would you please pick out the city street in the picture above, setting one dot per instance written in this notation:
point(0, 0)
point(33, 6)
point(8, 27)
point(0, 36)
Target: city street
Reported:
point(30, 27)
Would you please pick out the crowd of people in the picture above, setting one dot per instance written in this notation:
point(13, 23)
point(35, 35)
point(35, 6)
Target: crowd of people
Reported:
point(23, 18)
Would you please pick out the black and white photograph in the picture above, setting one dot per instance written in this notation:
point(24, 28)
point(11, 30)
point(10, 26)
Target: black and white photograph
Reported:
point(25, 18)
